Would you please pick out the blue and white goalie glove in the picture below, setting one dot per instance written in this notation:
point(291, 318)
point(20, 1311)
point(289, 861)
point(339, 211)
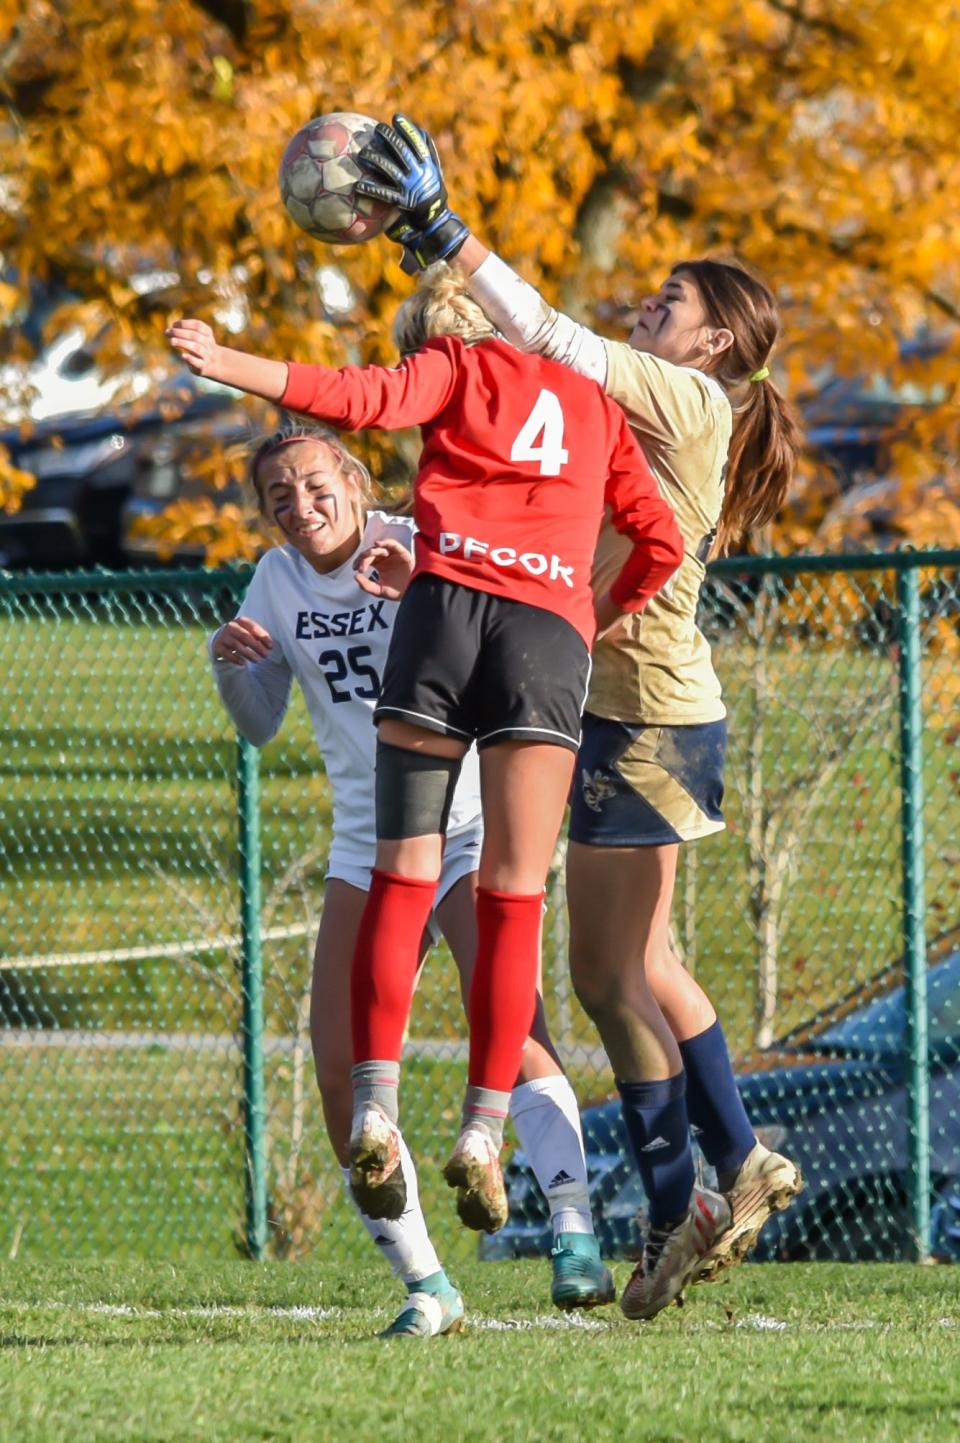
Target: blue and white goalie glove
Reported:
point(403, 170)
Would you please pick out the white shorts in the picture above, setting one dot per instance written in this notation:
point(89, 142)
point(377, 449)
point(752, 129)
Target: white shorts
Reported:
point(461, 856)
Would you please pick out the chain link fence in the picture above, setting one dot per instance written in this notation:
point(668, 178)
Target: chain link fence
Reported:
point(162, 887)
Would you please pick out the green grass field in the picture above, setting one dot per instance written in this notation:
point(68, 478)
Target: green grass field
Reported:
point(157, 1353)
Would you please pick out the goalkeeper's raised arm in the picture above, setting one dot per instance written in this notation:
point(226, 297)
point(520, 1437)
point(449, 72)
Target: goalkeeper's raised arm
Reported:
point(403, 170)
point(524, 318)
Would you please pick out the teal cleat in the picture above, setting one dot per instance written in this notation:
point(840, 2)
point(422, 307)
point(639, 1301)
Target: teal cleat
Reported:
point(580, 1277)
point(428, 1315)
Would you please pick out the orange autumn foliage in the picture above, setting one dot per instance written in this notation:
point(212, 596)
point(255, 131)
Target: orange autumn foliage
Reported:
point(592, 142)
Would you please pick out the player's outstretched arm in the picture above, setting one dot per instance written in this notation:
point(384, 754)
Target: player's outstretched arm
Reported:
point(349, 398)
point(195, 342)
point(526, 319)
point(403, 170)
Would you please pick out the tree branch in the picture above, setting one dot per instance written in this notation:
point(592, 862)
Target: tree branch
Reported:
point(802, 20)
point(233, 15)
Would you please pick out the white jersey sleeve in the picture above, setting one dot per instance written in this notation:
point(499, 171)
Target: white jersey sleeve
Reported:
point(255, 695)
point(524, 318)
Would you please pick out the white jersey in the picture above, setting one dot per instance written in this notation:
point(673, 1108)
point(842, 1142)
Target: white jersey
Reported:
point(333, 637)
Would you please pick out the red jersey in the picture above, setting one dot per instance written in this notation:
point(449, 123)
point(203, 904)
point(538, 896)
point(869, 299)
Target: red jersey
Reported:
point(520, 457)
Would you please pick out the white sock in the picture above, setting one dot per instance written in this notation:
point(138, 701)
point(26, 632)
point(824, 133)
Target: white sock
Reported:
point(405, 1243)
point(547, 1120)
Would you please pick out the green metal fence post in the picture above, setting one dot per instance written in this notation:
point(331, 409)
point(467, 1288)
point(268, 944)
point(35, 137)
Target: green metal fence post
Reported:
point(914, 936)
point(248, 816)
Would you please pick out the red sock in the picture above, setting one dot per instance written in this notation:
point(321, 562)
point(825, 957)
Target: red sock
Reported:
point(384, 967)
point(503, 994)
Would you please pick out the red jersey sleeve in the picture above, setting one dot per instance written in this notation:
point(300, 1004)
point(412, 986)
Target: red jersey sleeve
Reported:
point(640, 512)
point(388, 398)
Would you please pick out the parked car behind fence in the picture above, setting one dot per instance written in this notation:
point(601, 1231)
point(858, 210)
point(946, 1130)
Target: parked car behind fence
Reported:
point(96, 473)
point(832, 1097)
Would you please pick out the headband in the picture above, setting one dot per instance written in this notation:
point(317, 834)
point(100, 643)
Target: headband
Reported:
point(281, 441)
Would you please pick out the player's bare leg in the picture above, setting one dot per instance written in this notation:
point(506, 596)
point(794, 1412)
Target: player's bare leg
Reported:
point(432, 1305)
point(619, 904)
point(546, 1117)
point(523, 790)
point(753, 1182)
point(616, 914)
point(383, 971)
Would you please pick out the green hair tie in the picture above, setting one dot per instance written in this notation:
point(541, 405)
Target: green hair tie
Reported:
point(760, 375)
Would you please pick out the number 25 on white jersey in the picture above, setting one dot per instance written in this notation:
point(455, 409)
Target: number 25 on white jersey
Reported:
point(540, 438)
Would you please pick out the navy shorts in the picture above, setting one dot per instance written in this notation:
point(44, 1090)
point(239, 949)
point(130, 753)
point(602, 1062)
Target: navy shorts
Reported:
point(482, 667)
point(647, 786)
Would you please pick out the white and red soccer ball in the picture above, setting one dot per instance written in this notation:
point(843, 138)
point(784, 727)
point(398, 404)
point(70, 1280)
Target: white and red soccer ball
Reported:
point(317, 174)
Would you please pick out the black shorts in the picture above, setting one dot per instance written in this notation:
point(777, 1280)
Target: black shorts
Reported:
point(484, 668)
point(647, 786)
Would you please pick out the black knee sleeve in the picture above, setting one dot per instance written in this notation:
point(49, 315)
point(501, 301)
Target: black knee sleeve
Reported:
point(414, 792)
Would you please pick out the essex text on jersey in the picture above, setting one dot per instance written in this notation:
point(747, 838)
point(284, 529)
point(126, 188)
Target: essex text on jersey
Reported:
point(315, 625)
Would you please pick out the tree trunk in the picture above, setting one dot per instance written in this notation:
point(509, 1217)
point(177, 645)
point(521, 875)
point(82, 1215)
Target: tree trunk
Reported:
point(768, 957)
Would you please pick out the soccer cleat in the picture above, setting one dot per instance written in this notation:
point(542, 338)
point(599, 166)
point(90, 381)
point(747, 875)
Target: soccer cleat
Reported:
point(376, 1177)
point(765, 1183)
point(580, 1277)
point(672, 1256)
point(428, 1315)
point(474, 1170)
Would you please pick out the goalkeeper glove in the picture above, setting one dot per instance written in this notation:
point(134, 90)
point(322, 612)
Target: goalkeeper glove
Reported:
point(403, 170)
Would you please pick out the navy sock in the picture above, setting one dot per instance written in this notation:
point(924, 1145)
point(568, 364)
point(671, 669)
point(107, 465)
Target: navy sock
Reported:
point(655, 1116)
point(713, 1102)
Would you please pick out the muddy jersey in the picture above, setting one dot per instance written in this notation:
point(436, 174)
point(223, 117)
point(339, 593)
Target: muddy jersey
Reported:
point(520, 457)
point(332, 637)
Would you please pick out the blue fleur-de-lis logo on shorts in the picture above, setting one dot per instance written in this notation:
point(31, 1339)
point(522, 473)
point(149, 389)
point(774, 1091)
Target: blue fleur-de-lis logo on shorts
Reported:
point(596, 789)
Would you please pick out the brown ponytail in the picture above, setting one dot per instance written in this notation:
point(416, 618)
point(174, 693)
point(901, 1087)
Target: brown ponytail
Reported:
point(766, 434)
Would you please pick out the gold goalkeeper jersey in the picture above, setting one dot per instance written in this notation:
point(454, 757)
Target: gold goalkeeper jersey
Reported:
point(655, 666)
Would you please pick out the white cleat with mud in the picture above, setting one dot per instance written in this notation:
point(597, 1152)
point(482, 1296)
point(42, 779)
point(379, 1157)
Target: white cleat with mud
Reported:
point(766, 1183)
point(376, 1176)
point(474, 1170)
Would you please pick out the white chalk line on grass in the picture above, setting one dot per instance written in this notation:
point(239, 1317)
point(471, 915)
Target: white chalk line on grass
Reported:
point(567, 1322)
point(301, 1313)
point(760, 1323)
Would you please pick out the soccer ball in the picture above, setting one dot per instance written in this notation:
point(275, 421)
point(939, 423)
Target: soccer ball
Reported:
point(317, 175)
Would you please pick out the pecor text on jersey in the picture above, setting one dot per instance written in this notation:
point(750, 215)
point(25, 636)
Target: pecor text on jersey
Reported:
point(533, 562)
